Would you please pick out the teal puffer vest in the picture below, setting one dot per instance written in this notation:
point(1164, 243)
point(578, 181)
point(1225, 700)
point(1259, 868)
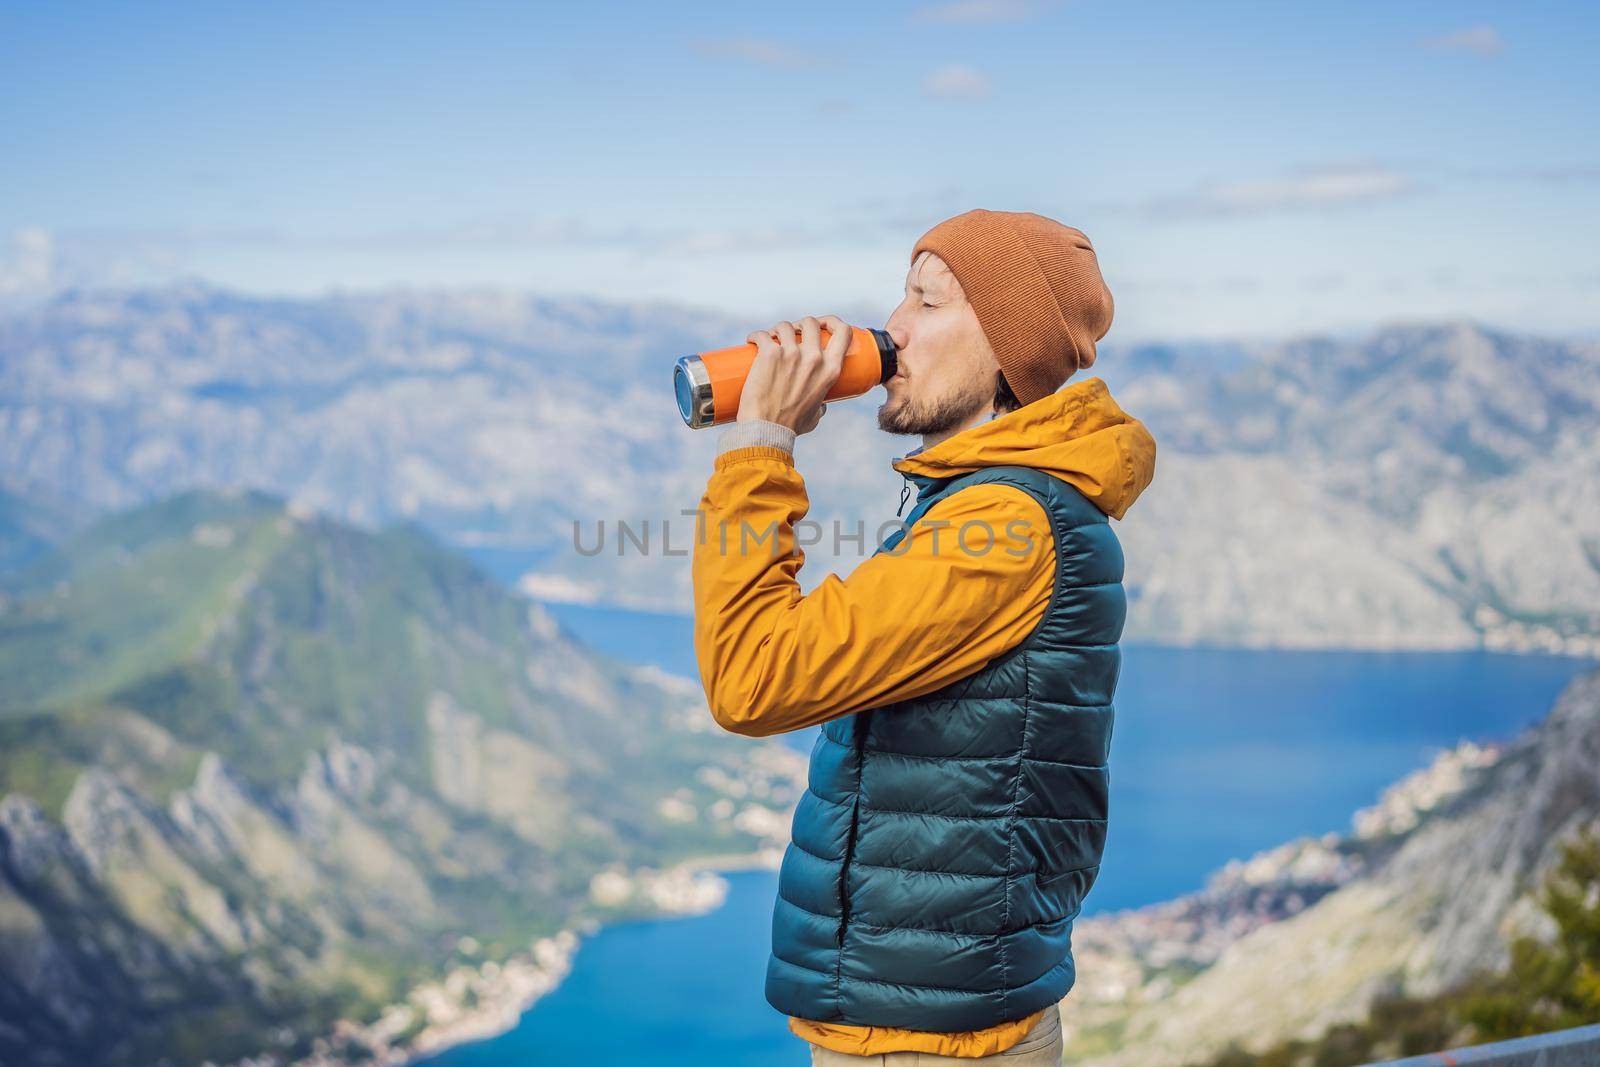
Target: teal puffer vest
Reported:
point(944, 844)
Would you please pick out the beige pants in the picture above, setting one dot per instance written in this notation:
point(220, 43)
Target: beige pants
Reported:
point(1041, 1046)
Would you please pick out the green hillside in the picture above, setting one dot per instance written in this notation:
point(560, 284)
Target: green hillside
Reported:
point(263, 771)
point(29, 526)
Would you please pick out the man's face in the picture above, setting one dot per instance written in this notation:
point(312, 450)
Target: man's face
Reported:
point(947, 371)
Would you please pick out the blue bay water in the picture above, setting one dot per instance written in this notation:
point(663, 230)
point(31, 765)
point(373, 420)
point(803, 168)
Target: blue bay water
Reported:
point(1220, 752)
point(1217, 753)
point(685, 992)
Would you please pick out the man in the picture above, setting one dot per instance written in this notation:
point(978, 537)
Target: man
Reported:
point(963, 674)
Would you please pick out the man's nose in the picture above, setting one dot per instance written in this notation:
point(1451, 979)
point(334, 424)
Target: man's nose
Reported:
point(897, 333)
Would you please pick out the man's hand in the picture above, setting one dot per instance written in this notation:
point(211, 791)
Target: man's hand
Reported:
point(792, 373)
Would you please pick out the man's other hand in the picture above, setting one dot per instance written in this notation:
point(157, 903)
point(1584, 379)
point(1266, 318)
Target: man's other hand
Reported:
point(793, 371)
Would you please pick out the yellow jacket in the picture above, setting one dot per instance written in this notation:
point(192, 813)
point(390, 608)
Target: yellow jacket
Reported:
point(905, 622)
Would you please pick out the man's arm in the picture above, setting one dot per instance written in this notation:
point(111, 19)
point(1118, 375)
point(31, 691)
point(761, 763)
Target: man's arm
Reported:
point(904, 622)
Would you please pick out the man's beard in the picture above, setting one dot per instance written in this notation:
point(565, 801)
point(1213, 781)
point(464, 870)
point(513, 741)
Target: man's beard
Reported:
point(937, 416)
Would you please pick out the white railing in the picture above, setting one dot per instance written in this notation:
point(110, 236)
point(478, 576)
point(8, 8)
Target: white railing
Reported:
point(1578, 1047)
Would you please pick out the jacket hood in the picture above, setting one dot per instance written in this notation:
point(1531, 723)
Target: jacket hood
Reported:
point(1078, 434)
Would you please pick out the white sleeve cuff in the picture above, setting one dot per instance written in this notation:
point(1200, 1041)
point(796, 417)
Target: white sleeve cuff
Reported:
point(756, 432)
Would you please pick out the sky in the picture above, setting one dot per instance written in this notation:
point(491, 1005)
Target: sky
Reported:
point(1243, 169)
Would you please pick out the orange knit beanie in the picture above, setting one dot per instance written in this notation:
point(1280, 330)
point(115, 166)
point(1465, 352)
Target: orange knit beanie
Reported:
point(1036, 288)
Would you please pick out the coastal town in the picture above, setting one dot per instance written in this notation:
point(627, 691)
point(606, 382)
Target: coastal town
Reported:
point(478, 1000)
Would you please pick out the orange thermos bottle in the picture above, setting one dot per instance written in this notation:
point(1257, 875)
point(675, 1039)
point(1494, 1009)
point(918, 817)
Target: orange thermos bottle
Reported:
point(708, 384)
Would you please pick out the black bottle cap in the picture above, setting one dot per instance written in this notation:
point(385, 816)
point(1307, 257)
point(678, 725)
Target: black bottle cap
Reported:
point(888, 354)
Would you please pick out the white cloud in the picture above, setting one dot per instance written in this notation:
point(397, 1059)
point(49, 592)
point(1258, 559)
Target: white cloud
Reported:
point(977, 11)
point(1573, 173)
point(35, 263)
point(760, 52)
point(1479, 40)
point(1551, 173)
point(1309, 189)
point(956, 80)
point(29, 266)
point(632, 238)
point(558, 588)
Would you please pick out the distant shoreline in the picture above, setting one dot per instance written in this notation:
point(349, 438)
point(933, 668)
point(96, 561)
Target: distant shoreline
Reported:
point(505, 992)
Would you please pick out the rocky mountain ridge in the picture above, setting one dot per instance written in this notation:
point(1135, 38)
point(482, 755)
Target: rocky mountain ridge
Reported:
point(1426, 889)
point(1432, 485)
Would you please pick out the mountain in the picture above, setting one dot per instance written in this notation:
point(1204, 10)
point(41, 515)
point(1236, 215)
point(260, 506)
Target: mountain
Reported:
point(30, 527)
point(1427, 888)
point(1430, 485)
point(265, 776)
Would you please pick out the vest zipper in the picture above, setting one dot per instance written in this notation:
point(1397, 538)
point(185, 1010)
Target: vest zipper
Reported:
point(905, 491)
point(861, 720)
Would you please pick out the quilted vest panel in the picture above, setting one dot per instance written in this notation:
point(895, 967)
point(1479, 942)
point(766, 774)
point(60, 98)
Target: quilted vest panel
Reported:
point(944, 844)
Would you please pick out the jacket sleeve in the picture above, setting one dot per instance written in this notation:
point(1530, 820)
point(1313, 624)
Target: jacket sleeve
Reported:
point(935, 608)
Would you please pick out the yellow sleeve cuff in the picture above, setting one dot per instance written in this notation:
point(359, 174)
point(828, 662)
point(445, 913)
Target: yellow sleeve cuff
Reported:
point(753, 452)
